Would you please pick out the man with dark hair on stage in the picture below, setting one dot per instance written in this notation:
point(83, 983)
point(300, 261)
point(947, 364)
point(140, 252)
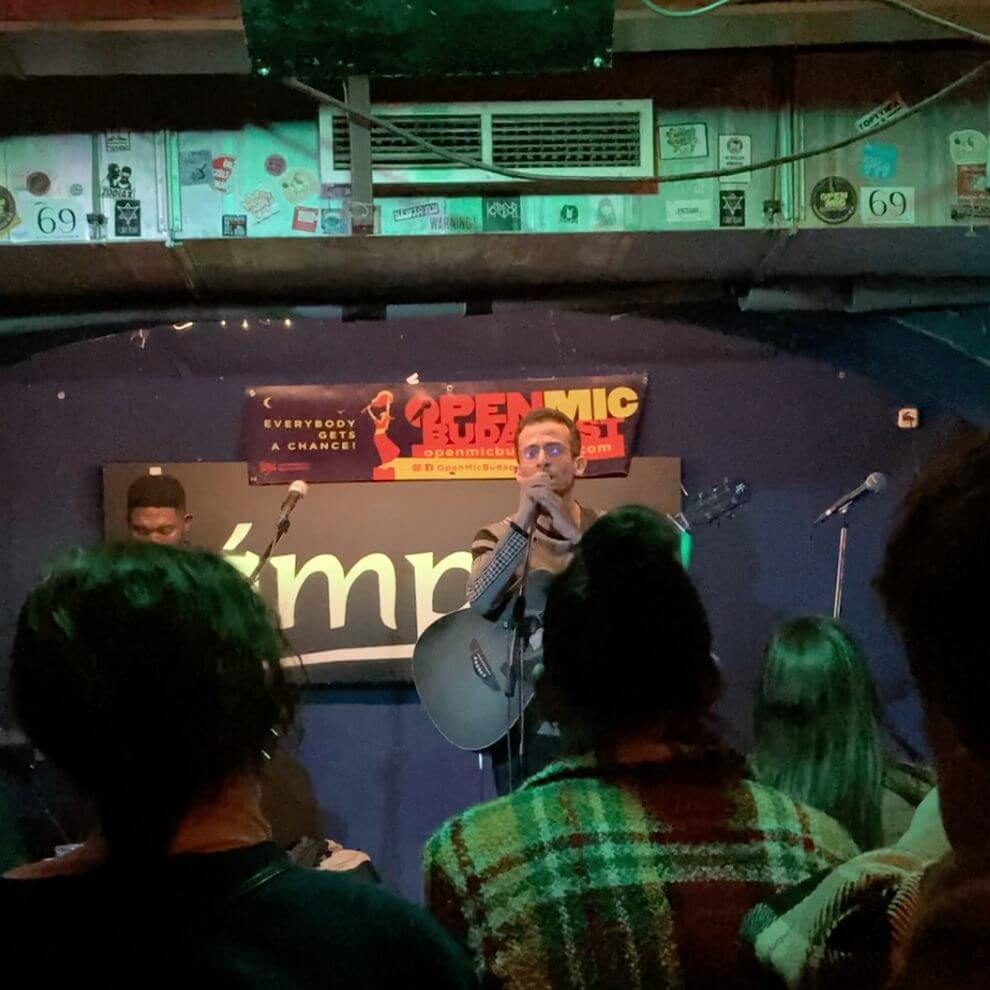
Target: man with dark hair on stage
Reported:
point(549, 460)
point(156, 510)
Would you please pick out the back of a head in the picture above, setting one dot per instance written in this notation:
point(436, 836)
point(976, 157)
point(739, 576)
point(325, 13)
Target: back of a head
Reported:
point(626, 640)
point(950, 941)
point(160, 491)
point(816, 724)
point(936, 586)
point(150, 676)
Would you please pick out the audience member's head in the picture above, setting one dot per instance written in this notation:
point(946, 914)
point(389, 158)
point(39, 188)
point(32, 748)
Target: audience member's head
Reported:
point(936, 585)
point(816, 725)
point(156, 510)
point(627, 648)
point(151, 676)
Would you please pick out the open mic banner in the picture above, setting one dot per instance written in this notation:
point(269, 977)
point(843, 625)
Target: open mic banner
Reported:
point(429, 431)
point(364, 568)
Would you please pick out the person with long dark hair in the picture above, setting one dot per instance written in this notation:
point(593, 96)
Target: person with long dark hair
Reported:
point(151, 677)
point(818, 732)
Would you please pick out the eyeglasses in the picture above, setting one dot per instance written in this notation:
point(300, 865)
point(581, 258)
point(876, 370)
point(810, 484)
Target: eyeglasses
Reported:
point(553, 450)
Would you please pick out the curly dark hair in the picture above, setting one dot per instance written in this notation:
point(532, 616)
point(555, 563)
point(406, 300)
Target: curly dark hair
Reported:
point(159, 491)
point(150, 675)
point(936, 585)
point(626, 641)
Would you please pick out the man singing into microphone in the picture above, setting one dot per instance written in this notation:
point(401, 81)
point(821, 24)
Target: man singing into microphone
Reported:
point(548, 455)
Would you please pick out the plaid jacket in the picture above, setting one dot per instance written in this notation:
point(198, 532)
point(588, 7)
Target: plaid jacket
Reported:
point(623, 872)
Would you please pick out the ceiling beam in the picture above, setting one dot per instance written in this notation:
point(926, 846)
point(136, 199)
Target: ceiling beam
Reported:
point(121, 46)
point(788, 22)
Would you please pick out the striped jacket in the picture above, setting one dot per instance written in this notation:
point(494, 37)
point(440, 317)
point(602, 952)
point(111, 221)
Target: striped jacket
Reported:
point(624, 871)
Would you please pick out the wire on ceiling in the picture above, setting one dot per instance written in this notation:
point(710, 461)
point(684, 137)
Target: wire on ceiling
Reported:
point(686, 12)
point(903, 5)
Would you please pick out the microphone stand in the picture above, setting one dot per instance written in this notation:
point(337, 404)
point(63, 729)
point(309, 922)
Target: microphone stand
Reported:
point(840, 571)
point(519, 625)
point(281, 529)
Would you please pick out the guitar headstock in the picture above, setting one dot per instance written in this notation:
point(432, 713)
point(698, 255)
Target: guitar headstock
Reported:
point(707, 506)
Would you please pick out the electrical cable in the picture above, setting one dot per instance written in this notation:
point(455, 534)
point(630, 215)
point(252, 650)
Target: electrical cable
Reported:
point(687, 12)
point(926, 15)
point(372, 120)
point(902, 5)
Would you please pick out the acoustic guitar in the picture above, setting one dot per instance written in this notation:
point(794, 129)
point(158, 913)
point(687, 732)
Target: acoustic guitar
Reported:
point(461, 663)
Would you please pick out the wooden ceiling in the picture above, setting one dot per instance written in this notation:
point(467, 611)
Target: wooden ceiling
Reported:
point(206, 37)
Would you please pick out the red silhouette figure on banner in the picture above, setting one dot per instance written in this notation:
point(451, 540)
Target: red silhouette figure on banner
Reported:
point(380, 411)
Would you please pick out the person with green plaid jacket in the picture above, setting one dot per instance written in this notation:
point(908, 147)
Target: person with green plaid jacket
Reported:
point(631, 862)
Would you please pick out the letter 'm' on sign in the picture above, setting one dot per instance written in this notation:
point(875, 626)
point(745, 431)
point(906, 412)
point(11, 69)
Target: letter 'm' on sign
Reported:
point(338, 585)
point(427, 577)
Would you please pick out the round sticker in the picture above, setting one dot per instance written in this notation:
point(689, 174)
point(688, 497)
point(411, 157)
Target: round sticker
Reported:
point(275, 165)
point(834, 200)
point(76, 189)
point(8, 209)
point(38, 184)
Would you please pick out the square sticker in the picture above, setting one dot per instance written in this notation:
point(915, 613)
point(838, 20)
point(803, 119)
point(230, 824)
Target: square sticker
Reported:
point(731, 208)
point(684, 141)
point(306, 219)
point(127, 218)
point(235, 225)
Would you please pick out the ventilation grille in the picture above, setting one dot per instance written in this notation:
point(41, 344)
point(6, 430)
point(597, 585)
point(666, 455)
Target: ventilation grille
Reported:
point(458, 134)
point(570, 138)
point(567, 141)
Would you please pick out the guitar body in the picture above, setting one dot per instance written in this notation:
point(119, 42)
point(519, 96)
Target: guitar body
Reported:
point(461, 670)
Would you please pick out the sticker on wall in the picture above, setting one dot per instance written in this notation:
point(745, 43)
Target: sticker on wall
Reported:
point(333, 221)
point(118, 140)
point(195, 167)
point(608, 212)
point(127, 218)
point(879, 161)
point(973, 197)
point(38, 183)
point(275, 165)
point(887, 204)
point(888, 110)
point(689, 211)
point(76, 189)
point(299, 184)
point(833, 200)
point(971, 180)
point(735, 151)
point(306, 219)
point(501, 213)
point(235, 225)
point(8, 211)
point(59, 220)
point(968, 147)
point(684, 141)
point(416, 212)
point(118, 183)
point(731, 208)
point(223, 169)
point(260, 204)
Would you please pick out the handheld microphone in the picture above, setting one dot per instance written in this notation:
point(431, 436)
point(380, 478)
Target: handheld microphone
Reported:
point(297, 491)
point(875, 482)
